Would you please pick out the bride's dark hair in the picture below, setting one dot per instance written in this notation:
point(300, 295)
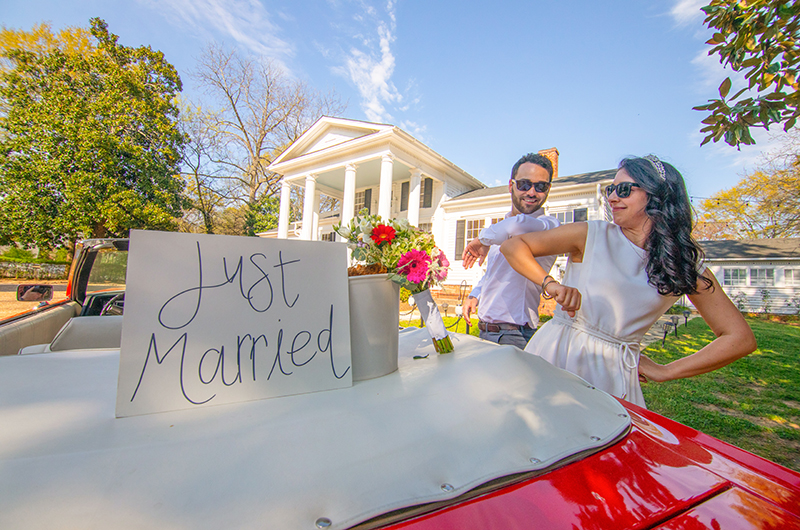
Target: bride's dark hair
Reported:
point(672, 254)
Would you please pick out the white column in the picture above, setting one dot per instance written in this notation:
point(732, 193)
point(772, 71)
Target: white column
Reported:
point(438, 217)
point(349, 198)
point(315, 217)
point(283, 216)
point(414, 191)
point(385, 196)
point(308, 207)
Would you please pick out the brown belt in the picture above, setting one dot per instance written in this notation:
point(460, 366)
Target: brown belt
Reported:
point(494, 327)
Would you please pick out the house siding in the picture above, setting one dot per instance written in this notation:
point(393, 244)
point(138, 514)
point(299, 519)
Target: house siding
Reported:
point(782, 297)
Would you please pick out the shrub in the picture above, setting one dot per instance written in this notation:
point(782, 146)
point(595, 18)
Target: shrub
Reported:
point(404, 294)
point(677, 309)
point(16, 253)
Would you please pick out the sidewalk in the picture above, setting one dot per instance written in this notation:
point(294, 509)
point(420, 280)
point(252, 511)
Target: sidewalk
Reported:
point(656, 331)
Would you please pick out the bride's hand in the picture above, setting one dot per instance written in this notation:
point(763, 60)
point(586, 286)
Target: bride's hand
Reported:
point(569, 298)
point(651, 370)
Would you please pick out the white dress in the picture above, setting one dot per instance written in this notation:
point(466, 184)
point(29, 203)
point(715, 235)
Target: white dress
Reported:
point(618, 306)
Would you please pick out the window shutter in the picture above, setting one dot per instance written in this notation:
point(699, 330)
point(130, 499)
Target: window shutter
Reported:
point(461, 228)
point(404, 187)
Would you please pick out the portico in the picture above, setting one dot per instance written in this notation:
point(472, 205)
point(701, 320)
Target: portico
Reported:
point(365, 165)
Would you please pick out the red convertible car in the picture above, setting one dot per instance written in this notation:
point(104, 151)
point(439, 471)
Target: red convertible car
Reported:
point(487, 437)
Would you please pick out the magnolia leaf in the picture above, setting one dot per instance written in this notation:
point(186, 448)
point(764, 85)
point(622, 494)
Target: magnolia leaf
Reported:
point(725, 87)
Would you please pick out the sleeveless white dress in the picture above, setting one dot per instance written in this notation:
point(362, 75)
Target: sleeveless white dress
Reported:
point(618, 306)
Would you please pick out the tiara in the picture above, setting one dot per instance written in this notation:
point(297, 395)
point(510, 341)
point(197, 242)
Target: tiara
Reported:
point(653, 159)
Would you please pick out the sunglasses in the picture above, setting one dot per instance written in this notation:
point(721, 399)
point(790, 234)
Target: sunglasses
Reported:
point(525, 185)
point(623, 189)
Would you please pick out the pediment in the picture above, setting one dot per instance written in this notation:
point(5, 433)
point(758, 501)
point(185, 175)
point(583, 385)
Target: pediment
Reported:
point(328, 132)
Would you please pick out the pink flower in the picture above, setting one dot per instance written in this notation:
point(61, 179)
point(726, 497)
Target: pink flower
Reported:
point(440, 273)
point(414, 265)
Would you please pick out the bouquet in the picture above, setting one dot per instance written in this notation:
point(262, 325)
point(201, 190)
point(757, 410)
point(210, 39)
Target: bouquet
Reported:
point(409, 256)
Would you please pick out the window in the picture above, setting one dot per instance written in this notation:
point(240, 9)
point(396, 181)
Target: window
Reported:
point(363, 200)
point(497, 220)
point(762, 277)
point(330, 236)
point(466, 231)
point(792, 276)
point(426, 193)
point(734, 277)
point(474, 228)
point(573, 216)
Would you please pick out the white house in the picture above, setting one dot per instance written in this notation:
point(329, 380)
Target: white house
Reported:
point(388, 171)
point(758, 274)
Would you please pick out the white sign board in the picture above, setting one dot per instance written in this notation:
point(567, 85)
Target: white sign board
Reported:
point(220, 319)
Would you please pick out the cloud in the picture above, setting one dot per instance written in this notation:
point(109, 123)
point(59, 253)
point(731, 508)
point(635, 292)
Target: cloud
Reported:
point(370, 64)
point(747, 158)
point(244, 21)
point(688, 11)
point(416, 130)
point(711, 73)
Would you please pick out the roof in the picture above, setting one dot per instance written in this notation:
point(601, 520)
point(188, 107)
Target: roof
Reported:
point(331, 143)
point(752, 249)
point(585, 178)
point(559, 182)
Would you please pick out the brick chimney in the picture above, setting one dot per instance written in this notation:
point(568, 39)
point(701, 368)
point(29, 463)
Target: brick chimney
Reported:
point(552, 154)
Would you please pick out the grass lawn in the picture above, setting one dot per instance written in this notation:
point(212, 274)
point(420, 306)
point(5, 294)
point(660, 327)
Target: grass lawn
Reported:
point(449, 322)
point(753, 403)
point(453, 324)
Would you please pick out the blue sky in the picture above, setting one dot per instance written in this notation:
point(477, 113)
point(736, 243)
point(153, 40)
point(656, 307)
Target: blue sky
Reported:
point(482, 83)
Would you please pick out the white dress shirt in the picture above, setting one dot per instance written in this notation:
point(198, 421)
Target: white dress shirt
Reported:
point(505, 296)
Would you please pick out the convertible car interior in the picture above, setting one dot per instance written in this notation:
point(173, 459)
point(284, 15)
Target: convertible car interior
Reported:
point(90, 314)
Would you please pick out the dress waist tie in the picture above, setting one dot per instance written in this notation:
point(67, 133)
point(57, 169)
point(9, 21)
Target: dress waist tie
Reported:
point(629, 352)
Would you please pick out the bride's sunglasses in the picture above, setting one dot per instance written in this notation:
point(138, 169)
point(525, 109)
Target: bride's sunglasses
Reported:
point(623, 189)
point(525, 185)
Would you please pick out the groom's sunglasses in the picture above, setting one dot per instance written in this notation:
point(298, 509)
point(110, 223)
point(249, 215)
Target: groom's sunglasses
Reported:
point(525, 185)
point(623, 189)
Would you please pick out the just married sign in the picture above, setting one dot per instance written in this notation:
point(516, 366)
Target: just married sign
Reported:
point(220, 319)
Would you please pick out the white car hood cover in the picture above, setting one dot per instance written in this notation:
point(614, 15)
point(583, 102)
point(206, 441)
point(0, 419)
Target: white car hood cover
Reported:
point(431, 431)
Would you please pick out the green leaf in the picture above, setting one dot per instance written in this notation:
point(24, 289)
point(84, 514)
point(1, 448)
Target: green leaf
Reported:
point(725, 87)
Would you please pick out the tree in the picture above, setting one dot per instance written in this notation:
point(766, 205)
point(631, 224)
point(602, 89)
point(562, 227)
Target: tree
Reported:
point(258, 112)
point(205, 200)
point(41, 39)
point(758, 37)
point(89, 143)
point(764, 204)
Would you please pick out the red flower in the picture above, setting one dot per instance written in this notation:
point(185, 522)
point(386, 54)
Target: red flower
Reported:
point(382, 234)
